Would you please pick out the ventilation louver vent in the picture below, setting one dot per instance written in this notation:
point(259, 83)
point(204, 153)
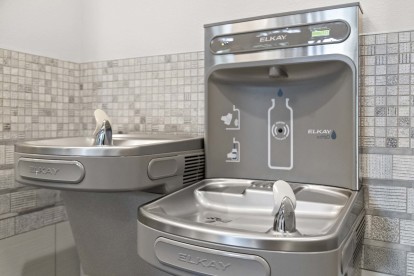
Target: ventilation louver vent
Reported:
point(359, 236)
point(193, 168)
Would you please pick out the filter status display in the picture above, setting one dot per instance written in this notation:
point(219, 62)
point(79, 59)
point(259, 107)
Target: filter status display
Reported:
point(320, 33)
point(288, 37)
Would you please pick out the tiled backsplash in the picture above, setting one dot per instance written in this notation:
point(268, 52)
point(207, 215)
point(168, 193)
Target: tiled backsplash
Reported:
point(39, 98)
point(147, 94)
point(42, 97)
point(386, 93)
point(387, 160)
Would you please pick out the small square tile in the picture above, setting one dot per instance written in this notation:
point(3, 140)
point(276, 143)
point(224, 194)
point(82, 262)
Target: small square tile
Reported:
point(404, 37)
point(368, 40)
point(380, 132)
point(404, 68)
point(392, 59)
point(380, 101)
point(391, 142)
point(391, 132)
point(404, 47)
point(403, 132)
point(383, 59)
point(404, 89)
point(403, 111)
point(380, 90)
point(392, 80)
point(391, 121)
point(404, 57)
point(379, 142)
point(391, 110)
point(380, 111)
point(392, 90)
point(380, 38)
point(403, 142)
point(382, 49)
point(392, 48)
point(404, 121)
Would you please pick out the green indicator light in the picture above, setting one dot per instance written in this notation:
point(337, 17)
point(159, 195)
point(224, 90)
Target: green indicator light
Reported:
point(319, 33)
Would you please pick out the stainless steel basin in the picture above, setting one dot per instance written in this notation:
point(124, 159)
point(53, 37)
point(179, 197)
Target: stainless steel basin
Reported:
point(124, 145)
point(133, 162)
point(238, 213)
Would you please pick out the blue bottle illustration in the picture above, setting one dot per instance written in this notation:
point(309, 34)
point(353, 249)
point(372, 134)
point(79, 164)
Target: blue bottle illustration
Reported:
point(280, 134)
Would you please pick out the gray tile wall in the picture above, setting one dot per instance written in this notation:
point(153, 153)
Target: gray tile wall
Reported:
point(148, 94)
point(41, 97)
point(387, 160)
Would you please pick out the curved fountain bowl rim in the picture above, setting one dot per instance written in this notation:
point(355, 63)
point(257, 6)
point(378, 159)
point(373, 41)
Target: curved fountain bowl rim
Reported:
point(124, 145)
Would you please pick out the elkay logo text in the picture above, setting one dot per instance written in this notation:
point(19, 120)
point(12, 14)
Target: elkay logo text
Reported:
point(187, 258)
point(273, 38)
point(43, 170)
point(323, 133)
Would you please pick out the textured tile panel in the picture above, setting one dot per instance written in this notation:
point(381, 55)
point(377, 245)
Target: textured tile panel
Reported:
point(23, 200)
point(384, 260)
point(28, 222)
point(35, 220)
point(4, 203)
point(403, 167)
point(54, 215)
point(376, 166)
point(410, 201)
point(382, 229)
point(387, 198)
point(407, 232)
point(410, 264)
point(6, 228)
point(6, 179)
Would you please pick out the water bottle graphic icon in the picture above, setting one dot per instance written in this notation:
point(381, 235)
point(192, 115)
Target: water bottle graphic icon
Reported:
point(280, 135)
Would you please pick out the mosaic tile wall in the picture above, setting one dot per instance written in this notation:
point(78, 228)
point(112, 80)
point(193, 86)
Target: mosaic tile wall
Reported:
point(148, 94)
point(41, 97)
point(387, 137)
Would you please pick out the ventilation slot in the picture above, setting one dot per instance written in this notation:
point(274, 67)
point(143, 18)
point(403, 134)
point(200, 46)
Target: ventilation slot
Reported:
point(359, 236)
point(193, 169)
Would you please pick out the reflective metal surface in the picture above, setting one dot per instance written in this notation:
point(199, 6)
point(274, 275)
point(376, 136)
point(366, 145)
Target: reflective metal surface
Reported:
point(350, 14)
point(123, 145)
point(285, 220)
point(233, 212)
point(104, 134)
point(133, 162)
point(253, 63)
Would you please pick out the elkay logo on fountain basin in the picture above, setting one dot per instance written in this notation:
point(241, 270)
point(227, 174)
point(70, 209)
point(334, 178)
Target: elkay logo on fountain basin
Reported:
point(273, 38)
point(208, 263)
point(323, 133)
point(43, 170)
